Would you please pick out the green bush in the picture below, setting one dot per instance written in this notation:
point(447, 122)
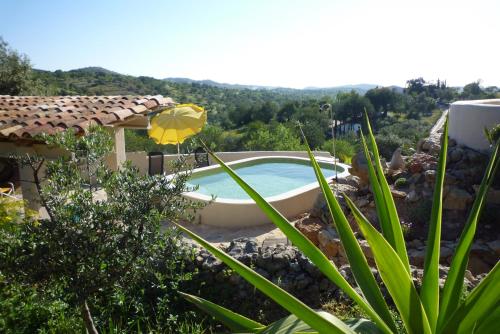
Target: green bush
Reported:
point(272, 137)
point(388, 143)
point(109, 258)
point(344, 148)
point(23, 309)
point(401, 182)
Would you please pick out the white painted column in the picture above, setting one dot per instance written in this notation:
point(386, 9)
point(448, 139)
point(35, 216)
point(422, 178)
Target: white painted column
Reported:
point(116, 159)
point(28, 188)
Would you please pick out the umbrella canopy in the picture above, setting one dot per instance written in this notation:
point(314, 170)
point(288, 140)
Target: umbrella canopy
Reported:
point(175, 125)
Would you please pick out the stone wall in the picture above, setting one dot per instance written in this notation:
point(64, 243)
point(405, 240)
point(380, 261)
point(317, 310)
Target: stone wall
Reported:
point(284, 265)
point(412, 186)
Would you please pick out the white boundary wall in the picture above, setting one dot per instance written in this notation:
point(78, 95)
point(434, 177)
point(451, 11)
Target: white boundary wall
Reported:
point(468, 120)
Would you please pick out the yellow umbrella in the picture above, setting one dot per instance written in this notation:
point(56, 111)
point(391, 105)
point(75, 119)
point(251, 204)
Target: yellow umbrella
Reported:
point(176, 124)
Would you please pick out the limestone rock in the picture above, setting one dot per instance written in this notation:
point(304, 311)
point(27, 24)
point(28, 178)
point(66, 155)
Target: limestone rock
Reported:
point(397, 161)
point(412, 196)
point(398, 193)
point(457, 199)
point(310, 227)
point(365, 247)
point(328, 243)
point(430, 176)
point(360, 168)
point(416, 257)
point(418, 160)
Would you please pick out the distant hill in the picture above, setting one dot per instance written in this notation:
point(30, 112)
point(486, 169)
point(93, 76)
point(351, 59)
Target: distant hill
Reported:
point(219, 84)
point(360, 88)
point(93, 69)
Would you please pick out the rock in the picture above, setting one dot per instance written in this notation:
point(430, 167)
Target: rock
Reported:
point(359, 168)
point(456, 154)
point(418, 160)
point(362, 202)
point(328, 243)
point(482, 251)
point(244, 249)
point(310, 227)
point(495, 246)
point(365, 247)
point(277, 258)
point(397, 162)
point(416, 257)
point(430, 176)
point(302, 281)
point(415, 243)
point(478, 266)
point(457, 199)
point(493, 196)
point(415, 178)
point(351, 180)
point(412, 196)
point(474, 156)
point(432, 144)
point(445, 253)
point(398, 193)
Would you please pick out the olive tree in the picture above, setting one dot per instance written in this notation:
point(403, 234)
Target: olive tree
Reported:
point(104, 226)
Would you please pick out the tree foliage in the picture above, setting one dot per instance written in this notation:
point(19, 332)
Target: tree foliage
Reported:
point(103, 230)
point(15, 71)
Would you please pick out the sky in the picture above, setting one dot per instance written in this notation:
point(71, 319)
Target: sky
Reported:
point(287, 43)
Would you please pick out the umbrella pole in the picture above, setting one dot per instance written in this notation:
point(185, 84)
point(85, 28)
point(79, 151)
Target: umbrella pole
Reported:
point(178, 151)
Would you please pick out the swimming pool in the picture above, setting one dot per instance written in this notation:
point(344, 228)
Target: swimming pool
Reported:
point(288, 183)
point(269, 178)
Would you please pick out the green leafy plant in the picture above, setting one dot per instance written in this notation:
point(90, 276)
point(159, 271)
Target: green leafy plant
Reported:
point(94, 249)
point(424, 311)
point(345, 149)
point(401, 182)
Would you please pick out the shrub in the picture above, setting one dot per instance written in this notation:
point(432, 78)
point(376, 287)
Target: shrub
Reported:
point(106, 255)
point(272, 137)
point(344, 148)
point(401, 182)
point(423, 311)
point(388, 143)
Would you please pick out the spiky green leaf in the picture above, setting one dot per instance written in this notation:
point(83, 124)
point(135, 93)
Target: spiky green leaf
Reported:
point(482, 302)
point(292, 324)
point(397, 232)
point(454, 282)
point(429, 292)
point(234, 321)
point(359, 265)
point(305, 245)
point(392, 270)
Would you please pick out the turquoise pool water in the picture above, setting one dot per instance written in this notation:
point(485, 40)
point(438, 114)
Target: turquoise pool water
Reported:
point(269, 178)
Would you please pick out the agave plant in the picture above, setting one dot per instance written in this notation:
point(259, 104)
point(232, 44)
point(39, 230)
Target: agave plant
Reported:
point(426, 310)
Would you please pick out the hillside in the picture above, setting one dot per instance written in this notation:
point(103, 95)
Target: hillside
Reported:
point(219, 99)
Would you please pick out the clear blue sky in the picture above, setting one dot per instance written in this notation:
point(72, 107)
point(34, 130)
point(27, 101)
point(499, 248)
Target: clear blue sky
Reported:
point(294, 43)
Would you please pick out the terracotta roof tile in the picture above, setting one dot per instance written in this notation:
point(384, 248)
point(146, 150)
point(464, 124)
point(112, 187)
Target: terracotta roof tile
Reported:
point(28, 116)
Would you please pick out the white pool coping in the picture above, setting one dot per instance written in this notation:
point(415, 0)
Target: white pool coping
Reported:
point(245, 212)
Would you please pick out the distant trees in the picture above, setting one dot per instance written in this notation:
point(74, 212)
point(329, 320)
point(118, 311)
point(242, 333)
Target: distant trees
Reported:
point(350, 107)
point(383, 99)
point(272, 137)
point(473, 91)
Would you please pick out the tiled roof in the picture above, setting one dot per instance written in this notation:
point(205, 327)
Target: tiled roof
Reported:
point(28, 116)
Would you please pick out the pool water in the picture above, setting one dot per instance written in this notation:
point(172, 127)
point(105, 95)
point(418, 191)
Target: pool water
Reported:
point(267, 178)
